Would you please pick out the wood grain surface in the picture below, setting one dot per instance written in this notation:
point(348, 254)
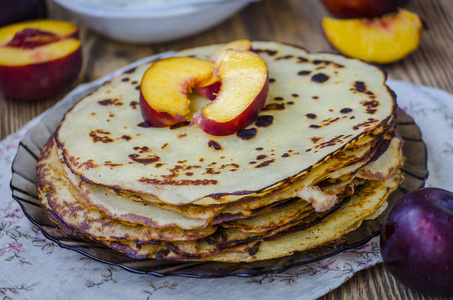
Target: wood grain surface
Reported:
point(291, 21)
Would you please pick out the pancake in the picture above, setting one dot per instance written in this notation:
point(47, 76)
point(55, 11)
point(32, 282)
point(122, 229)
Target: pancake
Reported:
point(322, 157)
point(178, 166)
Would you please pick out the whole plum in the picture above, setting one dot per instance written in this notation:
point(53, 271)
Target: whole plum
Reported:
point(12, 11)
point(417, 241)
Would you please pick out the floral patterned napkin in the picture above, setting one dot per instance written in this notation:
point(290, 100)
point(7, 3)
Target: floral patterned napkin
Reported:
point(33, 267)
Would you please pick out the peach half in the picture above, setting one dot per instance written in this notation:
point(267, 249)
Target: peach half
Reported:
point(245, 83)
point(380, 40)
point(165, 85)
point(38, 58)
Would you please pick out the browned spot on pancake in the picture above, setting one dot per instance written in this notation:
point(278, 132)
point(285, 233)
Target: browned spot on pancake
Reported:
point(246, 134)
point(274, 106)
point(201, 159)
point(143, 125)
point(315, 126)
point(109, 102)
point(346, 110)
point(125, 79)
point(178, 182)
point(366, 123)
point(254, 249)
point(326, 63)
point(370, 106)
point(214, 145)
point(261, 157)
point(112, 165)
point(171, 179)
point(252, 162)
point(189, 173)
point(301, 60)
point(332, 142)
point(315, 97)
point(100, 136)
point(130, 71)
point(158, 165)
point(265, 163)
point(284, 57)
point(290, 102)
point(232, 166)
point(149, 159)
point(181, 135)
point(89, 164)
point(311, 116)
point(268, 52)
point(285, 155)
point(134, 104)
point(134, 82)
point(211, 171)
point(111, 115)
point(360, 87)
point(179, 125)
point(182, 161)
point(93, 113)
point(295, 95)
point(319, 78)
point(304, 73)
point(144, 149)
point(271, 80)
point(137, 87)
point(259, 149)
point(164, 146)
point(264, 121)
point(278, 98)
point(315, 139)
point(126, 137)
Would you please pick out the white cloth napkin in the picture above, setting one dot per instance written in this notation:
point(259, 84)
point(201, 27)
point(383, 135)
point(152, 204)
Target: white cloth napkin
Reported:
point(32, 267)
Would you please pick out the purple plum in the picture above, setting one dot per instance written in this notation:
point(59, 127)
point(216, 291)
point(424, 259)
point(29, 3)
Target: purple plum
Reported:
point(417, 241)
point(12, 11)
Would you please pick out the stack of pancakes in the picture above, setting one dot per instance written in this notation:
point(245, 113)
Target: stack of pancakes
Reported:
point(322, 157)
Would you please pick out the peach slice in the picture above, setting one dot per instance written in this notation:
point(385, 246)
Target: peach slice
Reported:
point(38, 58)
point(165, 85)
point(245, 83)
point(245, 45)
point(210, 91)
point(381, 40)
point(362, 8)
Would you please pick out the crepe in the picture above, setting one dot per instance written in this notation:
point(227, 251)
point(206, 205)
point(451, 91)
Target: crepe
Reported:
point(178, 166)
point(322, 157)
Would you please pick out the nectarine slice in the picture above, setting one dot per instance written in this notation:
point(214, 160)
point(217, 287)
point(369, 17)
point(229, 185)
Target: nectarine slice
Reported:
point(38, 58)
point(165, 85)
point(381, 40)
point(245, 45)
point(245, 84)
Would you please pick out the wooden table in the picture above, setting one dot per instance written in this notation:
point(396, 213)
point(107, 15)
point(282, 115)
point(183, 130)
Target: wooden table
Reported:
point(292, 21)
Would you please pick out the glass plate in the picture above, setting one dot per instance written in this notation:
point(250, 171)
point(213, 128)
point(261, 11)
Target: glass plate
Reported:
point(25, 193)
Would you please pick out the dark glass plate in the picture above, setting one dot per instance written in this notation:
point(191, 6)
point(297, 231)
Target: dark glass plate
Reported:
point(25, 193)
